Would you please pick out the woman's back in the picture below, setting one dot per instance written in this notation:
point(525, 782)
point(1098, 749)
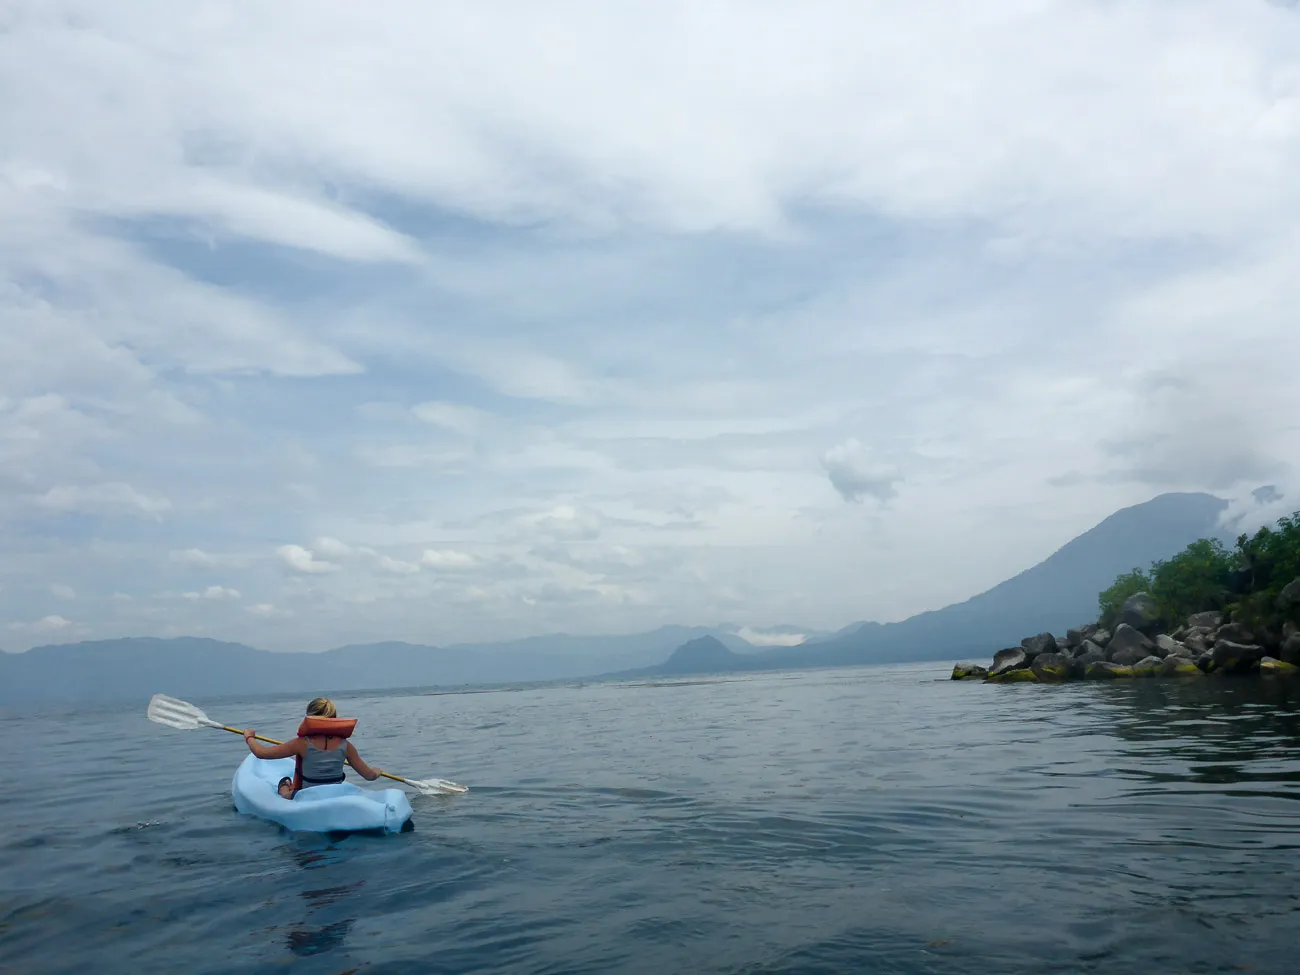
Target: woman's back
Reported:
point(321, 747)
point(323, 765)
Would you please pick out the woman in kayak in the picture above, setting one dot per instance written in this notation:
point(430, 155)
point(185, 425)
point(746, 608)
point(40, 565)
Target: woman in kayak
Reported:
point(319, 751)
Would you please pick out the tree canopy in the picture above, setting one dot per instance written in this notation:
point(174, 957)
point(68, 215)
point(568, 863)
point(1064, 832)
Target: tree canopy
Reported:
point(1244, 582)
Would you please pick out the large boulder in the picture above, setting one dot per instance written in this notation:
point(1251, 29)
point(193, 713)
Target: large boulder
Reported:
point(1236, 658)
point(1278, 668)
point(1012, 658)
point(1042, 643)
point(1148, 667)
point(1128, 646)
point(1290, 652)
point(969, 672)
point(1076, 635)
point(1087, 646)
point(1289, 597)
point(1140, 612)
point(1235, 632)
point(1270, 638)
point(1165, 645)
point(1101, 637)
point(1195, 644)
point(1079, 665)
point(1051, 666)
point(1014, 676)
point(1130, 655)
point(1176, 666)
point(1207, 621)
point(1105, 670)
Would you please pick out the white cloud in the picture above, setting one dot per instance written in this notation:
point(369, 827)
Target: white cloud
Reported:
point(762, 639)
point(97, 497)
point(302, 560)
point(410, 456)
point(214, 592)
point(331, 547)
point(566, 521)
point(451, 416)
point(595, 332)
point(195, 558)
point(269, 611)
point(397, 566)
point(446, 559)
point(1263, 507)
point(47, 624)
point(856, 474)
point(63, 591)
point(277, 217)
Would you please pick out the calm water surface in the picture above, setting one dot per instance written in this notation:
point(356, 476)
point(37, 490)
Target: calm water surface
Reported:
point(877, 820)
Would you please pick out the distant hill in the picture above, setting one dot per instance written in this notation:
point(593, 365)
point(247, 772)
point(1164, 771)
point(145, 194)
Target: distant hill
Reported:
point(105, 670)
point(137, 667)
point(1058, 593)
point(703, 655)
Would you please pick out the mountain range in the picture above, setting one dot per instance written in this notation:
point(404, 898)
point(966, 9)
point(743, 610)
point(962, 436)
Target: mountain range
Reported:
point(1057, 593)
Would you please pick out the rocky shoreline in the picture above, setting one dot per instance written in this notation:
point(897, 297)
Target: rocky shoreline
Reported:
point(1138, 646)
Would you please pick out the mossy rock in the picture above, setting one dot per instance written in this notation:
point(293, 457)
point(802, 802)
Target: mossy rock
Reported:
point(1236, 658)
point(1105, 670)
point(1012, 658)
point(1051, 666)
point(1278, 668)
point(1173, 666)
point(969, 672)
point(1148, 667)
point(1018, 676)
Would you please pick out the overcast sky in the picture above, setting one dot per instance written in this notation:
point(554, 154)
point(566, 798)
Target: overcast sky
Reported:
point(327, 321)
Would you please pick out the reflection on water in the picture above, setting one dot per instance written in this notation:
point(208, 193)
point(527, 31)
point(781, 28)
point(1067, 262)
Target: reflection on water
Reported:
point(315, 941)
point(880, 820)
point(321, 929)
point(1212, 732)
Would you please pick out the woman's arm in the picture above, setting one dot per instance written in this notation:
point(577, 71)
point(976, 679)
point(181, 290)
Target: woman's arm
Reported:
point(364, 770)
point(290, 748)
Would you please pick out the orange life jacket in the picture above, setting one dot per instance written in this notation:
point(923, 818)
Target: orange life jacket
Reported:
point(329, 727)
point(313, 726)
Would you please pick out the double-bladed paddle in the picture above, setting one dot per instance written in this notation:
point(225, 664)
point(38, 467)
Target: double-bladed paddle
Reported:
point(174, 713)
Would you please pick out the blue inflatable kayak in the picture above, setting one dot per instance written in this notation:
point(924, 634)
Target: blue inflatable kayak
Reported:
point(320, 809)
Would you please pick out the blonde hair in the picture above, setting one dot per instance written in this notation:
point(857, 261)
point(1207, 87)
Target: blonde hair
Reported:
point(322, 707)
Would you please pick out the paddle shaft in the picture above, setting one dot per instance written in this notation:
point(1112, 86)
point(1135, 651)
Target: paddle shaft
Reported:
point(239, 731)
point(272, 741)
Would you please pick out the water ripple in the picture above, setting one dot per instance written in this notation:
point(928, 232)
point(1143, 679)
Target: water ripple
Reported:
point(880, 820)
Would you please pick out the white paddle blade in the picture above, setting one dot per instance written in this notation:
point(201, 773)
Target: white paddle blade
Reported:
point(433, 787)
point(177, 714)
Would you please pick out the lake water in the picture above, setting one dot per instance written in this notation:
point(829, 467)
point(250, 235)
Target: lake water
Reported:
point(876, 820)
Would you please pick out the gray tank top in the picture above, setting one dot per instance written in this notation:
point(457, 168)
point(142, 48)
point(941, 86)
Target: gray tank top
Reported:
point(320, 767)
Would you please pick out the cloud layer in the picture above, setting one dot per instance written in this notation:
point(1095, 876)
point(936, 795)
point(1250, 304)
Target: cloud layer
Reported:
point(597, 317)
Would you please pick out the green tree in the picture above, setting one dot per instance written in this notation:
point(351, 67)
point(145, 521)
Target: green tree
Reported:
point(1270, 559)
point(1197, 578)
point(1112, 600)
point(1266, 562)
point(1245, 582)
